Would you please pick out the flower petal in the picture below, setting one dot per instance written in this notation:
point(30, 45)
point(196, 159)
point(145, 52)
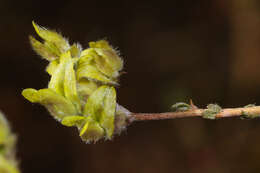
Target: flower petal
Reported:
point(87, 69)
point(43, 50)
point(101, 107)
point(57, 105)
point(57, 79)
point(91, 131)
point(108, 113)
point(70, 85)
point(52, 37)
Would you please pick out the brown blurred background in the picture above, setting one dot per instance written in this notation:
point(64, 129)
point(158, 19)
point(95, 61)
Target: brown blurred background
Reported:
point(173, 50)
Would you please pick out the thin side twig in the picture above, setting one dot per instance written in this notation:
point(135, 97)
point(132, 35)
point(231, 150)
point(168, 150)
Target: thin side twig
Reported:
point(195, 112)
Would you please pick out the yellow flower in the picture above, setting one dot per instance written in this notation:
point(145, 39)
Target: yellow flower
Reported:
point(81, 90)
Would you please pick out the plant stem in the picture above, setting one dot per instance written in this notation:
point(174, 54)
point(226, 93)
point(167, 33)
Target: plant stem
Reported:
point(195, 112)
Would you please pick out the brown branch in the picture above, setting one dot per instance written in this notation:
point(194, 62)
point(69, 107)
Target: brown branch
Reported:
point(195, 112)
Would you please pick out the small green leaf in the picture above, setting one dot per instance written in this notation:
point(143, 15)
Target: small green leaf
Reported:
point(214, 107)
point(180, 107)
point(57, 105)
point(91, 131)
point(207, 114)
point(249, 106)
point(52, 37)
point(74, 120)
point(211, 111)
point(247, 115)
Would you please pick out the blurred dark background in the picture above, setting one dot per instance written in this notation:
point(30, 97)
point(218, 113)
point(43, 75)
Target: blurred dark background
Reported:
point(173, 50)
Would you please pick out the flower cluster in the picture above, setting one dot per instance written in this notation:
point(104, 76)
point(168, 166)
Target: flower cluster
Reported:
point(8, 163)
point(81, 89)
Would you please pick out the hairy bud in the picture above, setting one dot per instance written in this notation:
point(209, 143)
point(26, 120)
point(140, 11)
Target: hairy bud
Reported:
point(81, 89)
